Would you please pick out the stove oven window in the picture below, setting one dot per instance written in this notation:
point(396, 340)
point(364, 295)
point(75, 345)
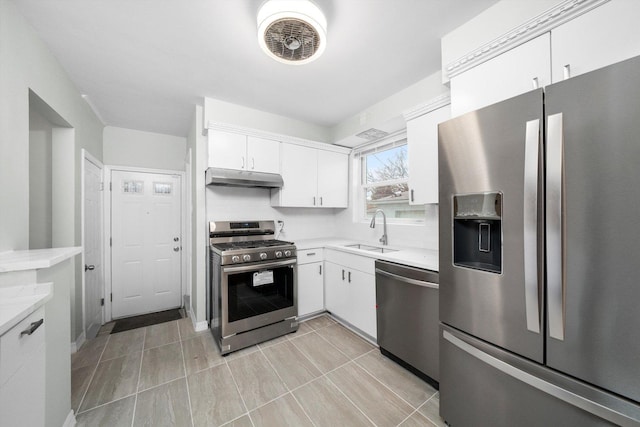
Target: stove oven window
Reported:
point(258, 292)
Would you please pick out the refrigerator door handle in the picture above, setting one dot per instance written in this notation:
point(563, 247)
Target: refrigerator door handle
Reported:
point(611, 414)
point(555, 253)
point(531, 283)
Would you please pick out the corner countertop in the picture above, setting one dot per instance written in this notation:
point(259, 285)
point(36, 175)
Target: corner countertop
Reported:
point(414, 257)
point(17, 302)
point(36, 258)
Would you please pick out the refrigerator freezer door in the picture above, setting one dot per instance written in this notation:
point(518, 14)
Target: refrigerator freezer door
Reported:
point(594, 320)
point(488, 151)
point(487, 386)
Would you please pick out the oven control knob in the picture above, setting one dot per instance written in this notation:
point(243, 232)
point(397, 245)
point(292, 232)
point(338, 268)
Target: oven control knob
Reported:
point(278, 254)
point(287, 253)
point(235, 259)
point(246, 258)
point(263, 255)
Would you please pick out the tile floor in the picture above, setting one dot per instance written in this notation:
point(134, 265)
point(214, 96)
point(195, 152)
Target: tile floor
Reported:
point(167, 374)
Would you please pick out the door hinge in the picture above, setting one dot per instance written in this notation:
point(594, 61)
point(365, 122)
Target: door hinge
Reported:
point(101, 301)
point(110, 241)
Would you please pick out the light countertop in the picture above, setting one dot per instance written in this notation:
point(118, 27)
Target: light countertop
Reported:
point(35, 259)
point(17, 302)
point(414, 257)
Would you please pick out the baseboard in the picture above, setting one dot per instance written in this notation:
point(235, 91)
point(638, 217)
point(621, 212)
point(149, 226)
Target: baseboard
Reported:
point(75, 346)
point(197, 326)
point(71, 420)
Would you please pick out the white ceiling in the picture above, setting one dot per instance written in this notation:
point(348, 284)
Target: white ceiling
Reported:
point(144, 63)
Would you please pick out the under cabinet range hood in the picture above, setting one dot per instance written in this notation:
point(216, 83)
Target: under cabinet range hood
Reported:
point(239, 178)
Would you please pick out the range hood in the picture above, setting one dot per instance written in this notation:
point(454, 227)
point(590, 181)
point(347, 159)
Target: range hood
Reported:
point(238, 178)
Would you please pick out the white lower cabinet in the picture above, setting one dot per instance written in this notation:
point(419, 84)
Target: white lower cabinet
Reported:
point(350, 290)
point(310, 281)
point(22, 369)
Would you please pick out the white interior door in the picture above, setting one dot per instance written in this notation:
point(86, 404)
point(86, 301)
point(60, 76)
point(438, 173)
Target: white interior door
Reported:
point(146, 242)
point(93, 271)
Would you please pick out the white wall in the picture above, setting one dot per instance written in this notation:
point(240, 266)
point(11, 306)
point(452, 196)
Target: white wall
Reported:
point(238, 203)
point(128, 147)
point(389, 110)
point(40, 203)
point(197, 142)
point(224, 112)
point(26, 64)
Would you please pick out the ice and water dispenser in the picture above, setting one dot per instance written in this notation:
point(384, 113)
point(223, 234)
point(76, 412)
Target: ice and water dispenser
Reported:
point(477, 231)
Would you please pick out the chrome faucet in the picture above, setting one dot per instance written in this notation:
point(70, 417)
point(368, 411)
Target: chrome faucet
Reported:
point(383, 239)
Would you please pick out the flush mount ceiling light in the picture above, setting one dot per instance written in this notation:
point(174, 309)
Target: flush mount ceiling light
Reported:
point(292, 31)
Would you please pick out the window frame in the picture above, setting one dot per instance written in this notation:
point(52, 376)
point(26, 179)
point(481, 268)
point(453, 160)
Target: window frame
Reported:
point(361, 186)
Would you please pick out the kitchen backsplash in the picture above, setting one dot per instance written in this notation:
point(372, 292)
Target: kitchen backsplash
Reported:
point(239, 203)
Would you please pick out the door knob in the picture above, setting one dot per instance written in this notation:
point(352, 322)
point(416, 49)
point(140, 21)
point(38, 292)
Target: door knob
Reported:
point(176, 239)
point(89, 267)
point(176, 248)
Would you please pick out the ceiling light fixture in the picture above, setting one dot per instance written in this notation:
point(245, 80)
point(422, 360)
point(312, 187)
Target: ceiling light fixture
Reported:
point(292, 31)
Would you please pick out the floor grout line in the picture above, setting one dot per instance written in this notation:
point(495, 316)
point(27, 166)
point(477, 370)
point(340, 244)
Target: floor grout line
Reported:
point(184, 366)
point(135, 402)
point(264, 350)
point(372, 375)
point(246, 408)
point(95, 369)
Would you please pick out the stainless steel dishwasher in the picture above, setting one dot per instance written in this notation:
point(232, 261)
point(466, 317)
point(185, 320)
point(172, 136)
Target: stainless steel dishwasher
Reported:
point(407, 316)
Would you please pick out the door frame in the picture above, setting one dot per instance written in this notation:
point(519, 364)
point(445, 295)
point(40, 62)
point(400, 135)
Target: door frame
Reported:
point(86, 156)
point(108, 169)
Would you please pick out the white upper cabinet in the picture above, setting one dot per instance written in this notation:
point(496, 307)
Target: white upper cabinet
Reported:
point(300, 176)
point(422, 140)
point(600, 37)
point(231, 150)
point(312, 178)
point(263, 155)
point(512, 73)
point(333, 179)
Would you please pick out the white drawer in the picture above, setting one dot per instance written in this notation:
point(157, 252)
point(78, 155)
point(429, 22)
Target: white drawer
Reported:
point(355, 262)
point(16, 347)
point(307, 256)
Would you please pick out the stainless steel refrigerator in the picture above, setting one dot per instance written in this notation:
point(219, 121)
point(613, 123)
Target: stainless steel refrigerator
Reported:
point(540, 256)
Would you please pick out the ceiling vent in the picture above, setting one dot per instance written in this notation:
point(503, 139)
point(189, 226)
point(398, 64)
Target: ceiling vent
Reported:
point(372, 134)
point(292, 31)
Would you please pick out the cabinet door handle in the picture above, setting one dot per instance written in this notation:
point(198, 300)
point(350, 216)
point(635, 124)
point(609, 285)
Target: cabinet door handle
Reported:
point(566, 71)
point(253, 163)
point(242, 162)
point(342, 274)
point(32, 328)
point(320, 270)
point(349, 280)
point(535, 83)
point(320, 200)
point(412, 195)
point(314, 200)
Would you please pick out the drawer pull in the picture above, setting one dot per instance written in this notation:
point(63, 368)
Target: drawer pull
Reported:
point(32, 328)
point(311, 253)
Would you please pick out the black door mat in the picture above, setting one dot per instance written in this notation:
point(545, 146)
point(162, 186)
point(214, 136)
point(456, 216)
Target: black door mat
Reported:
point(135, 322)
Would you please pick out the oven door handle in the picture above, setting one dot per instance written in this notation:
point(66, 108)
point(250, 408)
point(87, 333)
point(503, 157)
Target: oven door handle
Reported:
point(260, 266)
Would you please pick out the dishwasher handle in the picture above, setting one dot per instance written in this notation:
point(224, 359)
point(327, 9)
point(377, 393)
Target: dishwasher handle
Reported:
point(408, 280)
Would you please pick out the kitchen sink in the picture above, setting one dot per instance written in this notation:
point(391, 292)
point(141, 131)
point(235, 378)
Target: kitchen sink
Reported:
point(370, 248)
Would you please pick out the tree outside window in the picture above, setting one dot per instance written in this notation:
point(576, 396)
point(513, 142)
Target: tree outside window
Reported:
point(385, 183)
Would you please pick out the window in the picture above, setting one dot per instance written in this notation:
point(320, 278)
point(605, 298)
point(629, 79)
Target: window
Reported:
point(384, 183)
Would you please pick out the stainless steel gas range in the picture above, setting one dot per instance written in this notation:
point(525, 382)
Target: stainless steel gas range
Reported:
point(253, 284)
